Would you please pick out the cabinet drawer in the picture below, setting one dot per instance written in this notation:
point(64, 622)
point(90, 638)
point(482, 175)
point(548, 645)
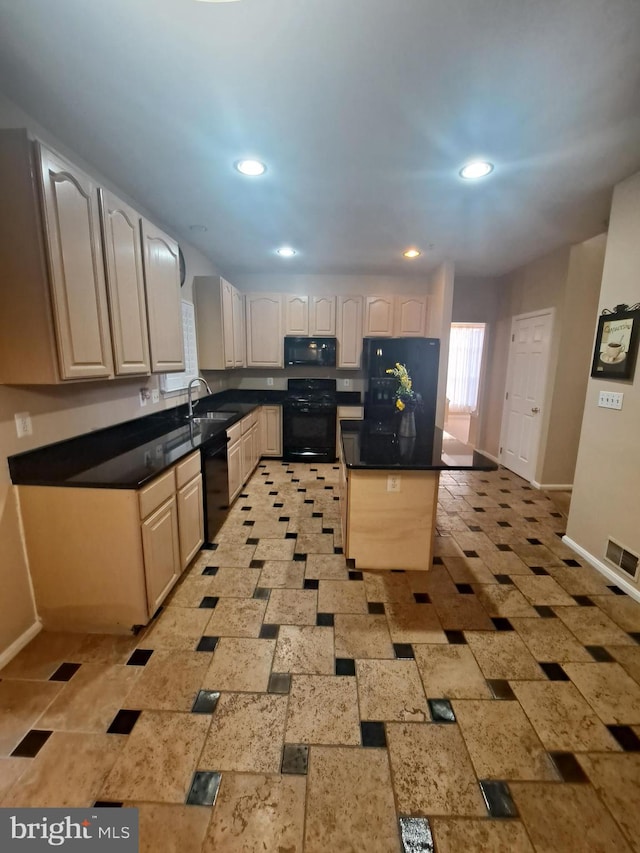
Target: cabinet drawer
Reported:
point(187, 469)
point(234, 432)
point(249, 421)
point(157, 492)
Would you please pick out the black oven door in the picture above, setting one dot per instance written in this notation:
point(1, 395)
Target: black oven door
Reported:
point(309, 434)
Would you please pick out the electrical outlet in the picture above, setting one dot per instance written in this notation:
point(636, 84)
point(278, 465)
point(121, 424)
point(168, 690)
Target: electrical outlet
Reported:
point(610, 400)
point(155, 396)
point(393, 483)
point(347, 383)
point(270, 380)
point(24, 426)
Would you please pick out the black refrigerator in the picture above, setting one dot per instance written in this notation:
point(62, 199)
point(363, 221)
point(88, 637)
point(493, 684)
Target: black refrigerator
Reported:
point(421, 357)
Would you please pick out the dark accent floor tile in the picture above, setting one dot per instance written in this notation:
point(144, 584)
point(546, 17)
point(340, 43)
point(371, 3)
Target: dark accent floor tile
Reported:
point(497, 798)
point(635, 635)
point(295, 479)
point(338, 550)
point(290, 535)
point(422, 597)
point(441, 711)
point(210, 571)
point(464, 588)
point(273, 494)
point(502, 546)
point(256, 564)
point(327, 529)
point(600, 654)
point(208, 546)
point(106, 804)
point(283, 518)
point(302, 490)
point(556, 514)
point(501, 623)
point(478, 509)
point(345, 666)
point(325, 619)
point(140, 657)
point(553, 671)
point(470, 553)
point(316, 515)
point(504, 579)
point(568, 767)
point(295, 759)
point(538, 570)
point(300, 558)
point(268, 631)
point(209, 602)
point(31, 743)
point(404, 651)
point(205, 702)
point(204, 788)
point(329, 488)
point(279, 682)
point(376, 607)
point(398, 571)
point(437, 561)
point(351, 563)
point(573, 563)
point(474, 528)
point(481, 494)
point(533, 541)
point(583, 600)
point(207, 644)
point(500, 688)
point(246, 524)
point(65, 672)
point(455, 638)
point(123, 722)
point(372, 733)
point(504, 506)
point(503, 524)
point(307, 500)
point(278, 505)
point(532, 520)
point(616, 589)
point(355, 576)
point(245, 508)
point(261, 592)
point(626, 737)
point(253, 541)
point(311, 583)
point(415, 835)
point(544, 611)
point(269, 483)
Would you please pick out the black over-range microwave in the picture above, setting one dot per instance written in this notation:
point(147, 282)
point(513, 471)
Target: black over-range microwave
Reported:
point(310, 352)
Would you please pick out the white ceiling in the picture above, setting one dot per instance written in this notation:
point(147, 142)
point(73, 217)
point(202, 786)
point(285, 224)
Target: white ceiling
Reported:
point(364, 110)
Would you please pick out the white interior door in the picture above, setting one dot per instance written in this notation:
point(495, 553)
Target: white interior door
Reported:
point(526, 384)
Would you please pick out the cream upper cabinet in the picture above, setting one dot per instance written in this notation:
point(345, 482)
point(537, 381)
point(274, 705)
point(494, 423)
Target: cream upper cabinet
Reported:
point(349, 331)
point(264, 330)
point(125, 285)
point(227, 323)
point(410, 316)
point(378, 320)
point(78, 292)
point(322, 316)
point(296, 315)
point(239, 356)
point(162, 281)
point(219, 323)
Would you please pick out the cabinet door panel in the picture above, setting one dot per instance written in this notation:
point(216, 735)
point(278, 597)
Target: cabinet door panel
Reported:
point(234, 466)
point(264, 330)
point(227, 323)
point(190, 520)
point(162, 280)
point(410, 318)
point(160, 545)
point(322, 315)
point(238, 330)
point(350, 310)
point(247, 455)
point(296, 311)
point(379, 317)
point(272, 430)
point(76, 268)
point(125, 285)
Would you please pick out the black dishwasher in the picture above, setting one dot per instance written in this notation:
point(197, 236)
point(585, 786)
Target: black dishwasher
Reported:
point(215, 486)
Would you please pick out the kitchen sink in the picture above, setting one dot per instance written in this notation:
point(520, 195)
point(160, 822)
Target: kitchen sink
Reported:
point(214, 416)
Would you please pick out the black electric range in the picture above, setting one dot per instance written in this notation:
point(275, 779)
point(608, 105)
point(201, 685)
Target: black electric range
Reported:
point(309, 421)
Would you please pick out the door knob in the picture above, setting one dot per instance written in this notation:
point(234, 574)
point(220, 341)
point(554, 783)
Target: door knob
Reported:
point(535, 410)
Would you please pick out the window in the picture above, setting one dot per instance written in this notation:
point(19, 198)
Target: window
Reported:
point(465, 361)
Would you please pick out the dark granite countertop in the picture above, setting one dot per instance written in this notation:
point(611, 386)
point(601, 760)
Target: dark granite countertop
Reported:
point(369, 445)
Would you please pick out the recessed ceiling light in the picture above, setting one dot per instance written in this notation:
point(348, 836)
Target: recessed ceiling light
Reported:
point(200, 229)
point(411, 253)
point(476, 169)
point(286, 252)
point(253, 168)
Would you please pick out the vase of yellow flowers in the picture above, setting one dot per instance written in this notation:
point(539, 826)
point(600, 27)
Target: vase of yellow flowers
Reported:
point(406, 400)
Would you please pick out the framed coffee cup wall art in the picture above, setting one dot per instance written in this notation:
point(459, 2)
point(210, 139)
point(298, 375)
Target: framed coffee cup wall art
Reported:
point(616, 346)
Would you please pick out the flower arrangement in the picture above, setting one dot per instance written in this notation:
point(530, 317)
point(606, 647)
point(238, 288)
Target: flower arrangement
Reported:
point(406, 397)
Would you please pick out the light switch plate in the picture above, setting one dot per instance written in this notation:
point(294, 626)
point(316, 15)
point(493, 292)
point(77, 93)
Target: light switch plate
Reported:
point(610, 400)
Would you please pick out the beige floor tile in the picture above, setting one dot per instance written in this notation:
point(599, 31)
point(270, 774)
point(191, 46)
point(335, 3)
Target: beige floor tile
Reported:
point(275, 549)
point(359, 636)
point(468, 570)
point(350, 802)
point(450, 672)
point(613, 695)
point(304, 649)
point(105, 648)
point(480, 836)
point(292, 607)
point(562, 718)
point(177, 628)
point(323, 709)
point(503, 562)
point(462, 613)
point(11, 769)
point(314, 543)
point(21, 704)
point(91, 699)
point(503, 600)
point(240, 664)
point(542, 590)
point(234, 583)
point(257, 814)
point(279, 574)
point(414, 623)
point(616, 778)
point(438, 582)
point(269, 529)
point(559, 817)
point(159, 758)
point(43, 655)
point(237, 617)
point(582, 581)
point(191, 591)
point(629, 657)
point(473, 541)
point(502, 654)
point(550, 640)
point(171, 828)
point(229, 554)
point(387, 586)
point(327, 567)
point(247, 734)
point(305, 525)
point(624, 611)
point(170, 681)
point(67, 772)
point(432, 772)
point(341, 597)
point(501, 741)
point(391, 690)
point(593, 627)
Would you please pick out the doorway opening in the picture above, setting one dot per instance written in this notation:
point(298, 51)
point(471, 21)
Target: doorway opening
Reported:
point(466, 349)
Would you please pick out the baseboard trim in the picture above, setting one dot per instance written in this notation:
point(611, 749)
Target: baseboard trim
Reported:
point(605, 570)
point(489, 455)
point(552, 487)
point(19, 644)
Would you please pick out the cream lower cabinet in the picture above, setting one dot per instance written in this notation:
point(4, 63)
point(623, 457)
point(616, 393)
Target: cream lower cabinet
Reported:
point(243, 451)
point(104, 559)
point(271, 431)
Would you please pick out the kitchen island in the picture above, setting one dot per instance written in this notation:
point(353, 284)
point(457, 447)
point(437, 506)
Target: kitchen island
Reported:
point(389, 491)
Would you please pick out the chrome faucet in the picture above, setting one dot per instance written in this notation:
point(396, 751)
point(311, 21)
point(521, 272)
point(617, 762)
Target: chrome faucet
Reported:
point(191, 401)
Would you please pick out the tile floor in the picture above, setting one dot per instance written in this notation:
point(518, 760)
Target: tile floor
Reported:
point(284, 700)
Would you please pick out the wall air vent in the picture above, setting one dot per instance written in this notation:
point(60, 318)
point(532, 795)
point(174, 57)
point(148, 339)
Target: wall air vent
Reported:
point(621, 558)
